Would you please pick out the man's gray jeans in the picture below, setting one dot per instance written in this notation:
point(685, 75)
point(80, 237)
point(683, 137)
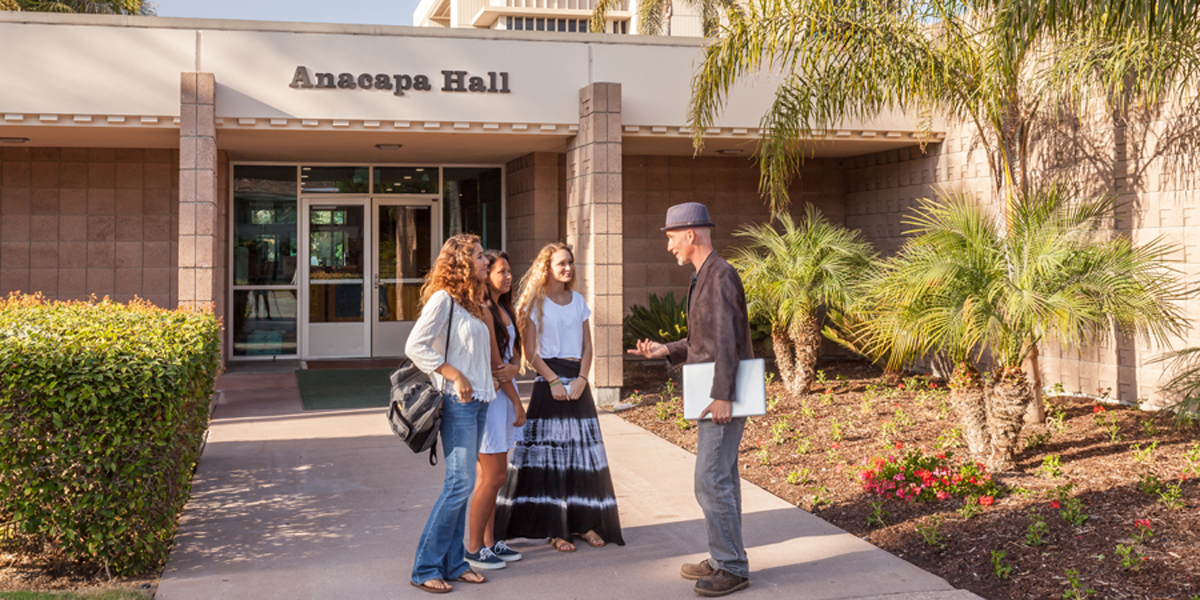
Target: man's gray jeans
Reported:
point(719, 492)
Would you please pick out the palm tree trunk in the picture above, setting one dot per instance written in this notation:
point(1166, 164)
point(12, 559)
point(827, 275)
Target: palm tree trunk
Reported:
point(970, 404)
point(785, 354)
point(806, 334)
point(1036, 413)
point(1009, 397)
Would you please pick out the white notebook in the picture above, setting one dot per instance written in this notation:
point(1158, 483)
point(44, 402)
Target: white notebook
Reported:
point(751, 389)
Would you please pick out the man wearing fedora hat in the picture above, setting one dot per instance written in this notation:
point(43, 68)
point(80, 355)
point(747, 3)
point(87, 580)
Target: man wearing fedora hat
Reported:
point(719, 333)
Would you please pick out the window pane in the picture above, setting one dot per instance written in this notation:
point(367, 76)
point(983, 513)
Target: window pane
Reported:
point(335, 302)
point(471, 203)
point(264, 223)
point(335, 256)
point(406, 180)
point(333, 180)
point(264, 322)
point(399, 301)
point(404, 242)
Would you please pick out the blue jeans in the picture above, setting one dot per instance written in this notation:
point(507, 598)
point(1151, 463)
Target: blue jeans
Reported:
point(719, 492)
point(440, 551)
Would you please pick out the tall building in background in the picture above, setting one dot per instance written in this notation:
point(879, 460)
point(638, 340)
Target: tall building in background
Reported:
point(570, 16)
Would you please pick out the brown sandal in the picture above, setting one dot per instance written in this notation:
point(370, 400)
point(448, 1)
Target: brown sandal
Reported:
point(424, 586)
point(478, 578)
point(562, 545)
point(593, 539)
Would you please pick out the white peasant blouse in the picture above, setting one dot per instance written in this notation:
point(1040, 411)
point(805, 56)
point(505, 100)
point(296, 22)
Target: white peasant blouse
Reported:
point(470, 346)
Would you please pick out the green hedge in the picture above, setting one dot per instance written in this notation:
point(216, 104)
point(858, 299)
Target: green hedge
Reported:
point(103, 407)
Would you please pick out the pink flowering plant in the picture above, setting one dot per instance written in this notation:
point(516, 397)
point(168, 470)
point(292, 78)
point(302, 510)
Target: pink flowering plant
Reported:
point(916, 476)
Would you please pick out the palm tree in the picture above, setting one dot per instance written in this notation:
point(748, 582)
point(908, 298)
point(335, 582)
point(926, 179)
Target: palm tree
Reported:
point(1184, 383)
point(790, 274)
point(104, 7)
point(1002, 67)
point(967, 283)
point(927, 300)
point(654, 16)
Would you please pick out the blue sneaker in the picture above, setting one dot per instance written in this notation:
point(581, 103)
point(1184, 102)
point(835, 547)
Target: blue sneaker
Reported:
point(504, 553)
point(485, 559)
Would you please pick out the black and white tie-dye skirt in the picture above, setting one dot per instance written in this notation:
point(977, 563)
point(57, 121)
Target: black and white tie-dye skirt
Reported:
point(558, 481)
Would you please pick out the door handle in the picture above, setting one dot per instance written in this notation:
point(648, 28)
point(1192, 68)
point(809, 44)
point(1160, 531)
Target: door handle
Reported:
point(375, 279)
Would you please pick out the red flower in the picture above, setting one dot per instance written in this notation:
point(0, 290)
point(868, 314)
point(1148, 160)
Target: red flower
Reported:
point(986, 500)
point(1143, 523)
point(835, 445)
point(1097, 409)
point(899, 445)
point(1054, 504)
point(901, 386)
point(932, 385)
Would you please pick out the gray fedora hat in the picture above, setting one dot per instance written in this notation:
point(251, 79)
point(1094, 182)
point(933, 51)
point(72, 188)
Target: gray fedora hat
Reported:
point(687, 215)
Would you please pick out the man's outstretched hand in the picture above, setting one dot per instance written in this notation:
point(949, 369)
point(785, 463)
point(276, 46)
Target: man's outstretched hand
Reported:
point(649, 349)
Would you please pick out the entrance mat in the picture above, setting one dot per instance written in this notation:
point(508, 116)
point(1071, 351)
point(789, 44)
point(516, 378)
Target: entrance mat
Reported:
point(324, 389)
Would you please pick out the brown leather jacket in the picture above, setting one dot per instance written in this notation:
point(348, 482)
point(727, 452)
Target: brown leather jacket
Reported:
point(718, 325)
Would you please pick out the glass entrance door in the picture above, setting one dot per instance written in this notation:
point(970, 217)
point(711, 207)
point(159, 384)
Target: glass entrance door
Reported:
point(338, 270)
point(405, 236)
point(365, 263)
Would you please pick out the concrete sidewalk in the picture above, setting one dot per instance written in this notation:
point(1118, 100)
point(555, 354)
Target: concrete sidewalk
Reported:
point(293, 504)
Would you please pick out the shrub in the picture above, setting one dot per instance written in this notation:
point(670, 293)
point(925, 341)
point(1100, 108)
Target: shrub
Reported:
point(665, 320)
point(103, 407)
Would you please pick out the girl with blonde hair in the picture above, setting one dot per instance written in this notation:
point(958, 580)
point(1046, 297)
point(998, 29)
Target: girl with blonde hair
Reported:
point(450, 342)
point(558, 483)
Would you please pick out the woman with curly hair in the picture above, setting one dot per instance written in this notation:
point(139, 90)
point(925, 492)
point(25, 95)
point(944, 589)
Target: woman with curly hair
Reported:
point(558, 483)
point(450, 342)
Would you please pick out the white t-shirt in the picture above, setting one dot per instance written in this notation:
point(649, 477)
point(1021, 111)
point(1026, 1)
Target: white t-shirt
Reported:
point(561, 335)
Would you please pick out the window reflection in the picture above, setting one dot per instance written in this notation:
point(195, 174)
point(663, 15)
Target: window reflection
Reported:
point(264, 222)
point(336, 274)
point(406, 180)
point(264, 322)
point(471, 203)
point(334, 180)
point(405, 256)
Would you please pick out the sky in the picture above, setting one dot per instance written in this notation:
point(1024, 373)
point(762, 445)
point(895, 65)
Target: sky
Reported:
point(370, 12)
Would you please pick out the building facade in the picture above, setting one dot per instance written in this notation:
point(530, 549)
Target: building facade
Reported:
point(300, 178)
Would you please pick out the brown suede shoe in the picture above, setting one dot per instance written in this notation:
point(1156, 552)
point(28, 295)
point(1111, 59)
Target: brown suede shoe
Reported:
point(694, 571)
point(721, 583)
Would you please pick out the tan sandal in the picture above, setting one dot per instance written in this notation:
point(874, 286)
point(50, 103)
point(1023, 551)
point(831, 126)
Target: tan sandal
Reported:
point(561, 545)
point(593, 539)
point(424, 586)
point(471, 576)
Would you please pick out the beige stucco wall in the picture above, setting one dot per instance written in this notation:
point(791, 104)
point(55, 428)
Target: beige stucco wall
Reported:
point(83, 221)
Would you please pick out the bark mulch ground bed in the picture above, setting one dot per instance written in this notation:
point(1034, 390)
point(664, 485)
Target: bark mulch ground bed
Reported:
point(822, 439)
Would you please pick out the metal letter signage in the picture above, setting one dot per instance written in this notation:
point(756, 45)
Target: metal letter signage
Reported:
point(398, 84)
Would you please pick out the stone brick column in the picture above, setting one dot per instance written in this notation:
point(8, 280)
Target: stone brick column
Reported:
point(593, 228)
point(198, 212)
point(532, 208)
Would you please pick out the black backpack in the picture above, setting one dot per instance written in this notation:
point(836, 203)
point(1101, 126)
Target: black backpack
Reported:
point(415, 411)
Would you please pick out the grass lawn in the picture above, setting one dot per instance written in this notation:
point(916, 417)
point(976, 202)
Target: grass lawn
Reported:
point(109, 594)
